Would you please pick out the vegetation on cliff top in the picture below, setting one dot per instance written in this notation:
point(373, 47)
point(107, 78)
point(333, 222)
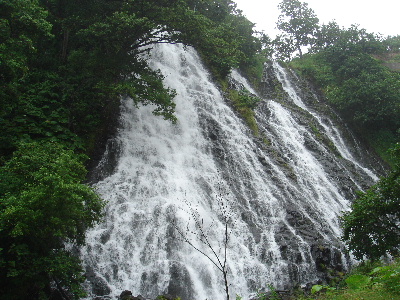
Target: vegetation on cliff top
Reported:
point(344, 64)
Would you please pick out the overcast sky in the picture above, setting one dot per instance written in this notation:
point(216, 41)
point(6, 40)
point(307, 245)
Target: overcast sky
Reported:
point(378, 16)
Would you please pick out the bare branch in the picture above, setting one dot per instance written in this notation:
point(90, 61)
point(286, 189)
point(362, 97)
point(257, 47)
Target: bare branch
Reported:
point(185, 238)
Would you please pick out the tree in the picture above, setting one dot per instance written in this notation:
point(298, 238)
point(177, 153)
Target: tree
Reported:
point(22, 25)
point(327, 35)
point(333, 37)
point(393, 43)
point(284, 47)
point(298, 22)
point(201, 233)
point(364, 91)
point(43, 205)
point(371, 229)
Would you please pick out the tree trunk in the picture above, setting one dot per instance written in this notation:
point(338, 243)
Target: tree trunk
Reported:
point(65, 45)
point(226, 284)
point(300, 53)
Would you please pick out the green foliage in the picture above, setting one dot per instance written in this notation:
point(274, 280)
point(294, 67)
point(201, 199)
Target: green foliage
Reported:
point(318, 289)
point(375, 274)
point(22, 24)
point(392, 43)
point(369, 280)
point(246, 99)
point(254, 71)
point(43, 204)
point(332, 37)
point(371, 228)
point(364, 92)
point(162, 297)
point(38, 112)
point(357, 281)
point(314, 68)
point(381, 140)
point(388, 276)
point(273, 294)
point(244, 102)
point(270, 293)
point(299, 24)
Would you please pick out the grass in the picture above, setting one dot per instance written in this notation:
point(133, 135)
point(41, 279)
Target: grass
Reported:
point(373, 294)
point(368, 281)
point(240, 102)
point(381, 141)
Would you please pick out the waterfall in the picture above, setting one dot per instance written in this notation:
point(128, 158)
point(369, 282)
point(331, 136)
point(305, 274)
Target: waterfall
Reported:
point(281, 192)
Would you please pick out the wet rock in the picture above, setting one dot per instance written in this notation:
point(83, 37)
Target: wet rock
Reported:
point(180, 284)
point(107, 164)
point(327, 259)
point(126, 295)
point(99, 285)
point(147, 282)
point(105, 142)
point(271, 87)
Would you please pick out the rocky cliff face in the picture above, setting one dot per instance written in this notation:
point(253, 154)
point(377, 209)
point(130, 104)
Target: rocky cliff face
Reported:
point(390, 60)
point(316, 115)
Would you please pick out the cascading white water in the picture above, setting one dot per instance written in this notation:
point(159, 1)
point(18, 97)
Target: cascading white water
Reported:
point(283, 205)
point(330, 129)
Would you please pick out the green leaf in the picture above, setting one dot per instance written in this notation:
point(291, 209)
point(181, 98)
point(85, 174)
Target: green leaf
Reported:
point(357, 281)
point(317, 288)
point(375, 270)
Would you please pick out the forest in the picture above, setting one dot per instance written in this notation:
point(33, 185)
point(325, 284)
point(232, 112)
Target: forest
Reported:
point(65, 67)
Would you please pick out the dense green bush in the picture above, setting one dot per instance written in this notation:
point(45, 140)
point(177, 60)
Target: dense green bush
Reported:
point(365, 93)
point(371, 228)
point(43, 205)
point(368, 280)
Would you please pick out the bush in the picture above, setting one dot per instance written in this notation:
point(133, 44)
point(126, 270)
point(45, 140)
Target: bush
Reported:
point(371, 229)
point(43, 205)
